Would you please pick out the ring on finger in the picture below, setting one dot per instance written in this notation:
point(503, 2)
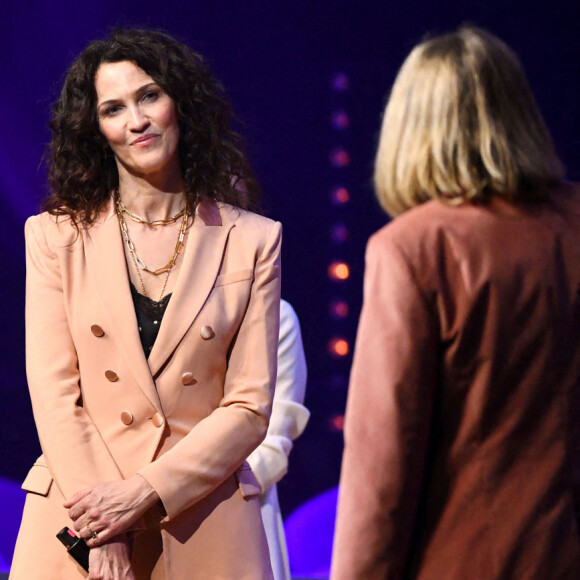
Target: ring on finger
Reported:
point(94, 535)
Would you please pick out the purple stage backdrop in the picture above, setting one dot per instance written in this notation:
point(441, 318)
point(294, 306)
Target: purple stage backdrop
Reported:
point(308, 79)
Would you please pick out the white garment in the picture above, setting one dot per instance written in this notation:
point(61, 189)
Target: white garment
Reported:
point(269, 461)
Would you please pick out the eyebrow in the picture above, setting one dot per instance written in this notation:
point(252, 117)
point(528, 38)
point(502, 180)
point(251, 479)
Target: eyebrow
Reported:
point(142, 89)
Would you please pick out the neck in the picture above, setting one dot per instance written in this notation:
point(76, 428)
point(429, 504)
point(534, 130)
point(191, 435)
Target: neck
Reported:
point(152, 201)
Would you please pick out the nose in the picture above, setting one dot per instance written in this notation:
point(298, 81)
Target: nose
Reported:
point(138, 122)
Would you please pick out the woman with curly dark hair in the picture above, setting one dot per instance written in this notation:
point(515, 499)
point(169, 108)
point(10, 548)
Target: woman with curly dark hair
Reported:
point(152, 315)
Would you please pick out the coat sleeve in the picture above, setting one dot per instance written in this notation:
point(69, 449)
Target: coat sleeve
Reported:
point(217, 446)
point(73, 448)
point(387, 421)
point(269, 461)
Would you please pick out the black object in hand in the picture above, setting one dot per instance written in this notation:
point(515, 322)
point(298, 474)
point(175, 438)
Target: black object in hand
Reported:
point(75, 546)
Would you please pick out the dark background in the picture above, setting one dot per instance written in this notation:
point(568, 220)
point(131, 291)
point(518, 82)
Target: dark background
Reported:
point(278, 60)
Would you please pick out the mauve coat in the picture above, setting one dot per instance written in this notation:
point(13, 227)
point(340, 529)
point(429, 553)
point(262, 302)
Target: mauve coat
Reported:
point(462, 424)
point(185, 419)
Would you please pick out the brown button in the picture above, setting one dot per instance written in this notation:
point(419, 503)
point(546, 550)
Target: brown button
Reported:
point(157, 420)
point(187, 379)
point(206, 332)
point(112, 376)
point(127, 417)
point(97, 330)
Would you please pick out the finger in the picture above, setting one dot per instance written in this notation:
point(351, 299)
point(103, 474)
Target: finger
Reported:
point(101, 538)
point(94, 535)
point(104, 531)
point(86, 531)
point(76, 497)
point(76, 513)
point(92, 520)
point(95, 542)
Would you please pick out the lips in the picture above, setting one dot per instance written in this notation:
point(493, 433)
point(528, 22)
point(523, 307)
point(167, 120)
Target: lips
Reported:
point(145, 140)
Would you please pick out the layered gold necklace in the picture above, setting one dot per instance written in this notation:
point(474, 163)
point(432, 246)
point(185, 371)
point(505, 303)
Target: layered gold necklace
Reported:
point(155, 223)
point(139, 264)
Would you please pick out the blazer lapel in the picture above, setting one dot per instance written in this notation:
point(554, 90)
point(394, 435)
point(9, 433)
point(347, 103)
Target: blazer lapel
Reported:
point(201, 262)
point(106, 264)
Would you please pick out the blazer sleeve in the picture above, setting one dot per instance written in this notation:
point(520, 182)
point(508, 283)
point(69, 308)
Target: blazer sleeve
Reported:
point(74, 451)
point(387, 421)
point(218, 445)
point(269, 461)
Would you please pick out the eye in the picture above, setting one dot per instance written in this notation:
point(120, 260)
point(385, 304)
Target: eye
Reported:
point(150, 97)
point(110, 111)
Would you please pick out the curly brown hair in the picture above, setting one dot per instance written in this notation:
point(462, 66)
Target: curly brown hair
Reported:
point(82, 169)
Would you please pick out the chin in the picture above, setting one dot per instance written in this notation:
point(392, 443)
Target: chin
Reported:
point(144, 167)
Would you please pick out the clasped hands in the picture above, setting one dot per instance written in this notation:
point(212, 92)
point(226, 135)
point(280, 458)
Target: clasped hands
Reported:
point(106, 510)
point(102, 514)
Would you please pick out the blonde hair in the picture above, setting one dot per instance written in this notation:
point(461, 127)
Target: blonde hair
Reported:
point(461, 122)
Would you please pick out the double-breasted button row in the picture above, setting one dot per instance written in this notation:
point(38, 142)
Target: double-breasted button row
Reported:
point(186, 378)
point(127, 418)
point(206, 332)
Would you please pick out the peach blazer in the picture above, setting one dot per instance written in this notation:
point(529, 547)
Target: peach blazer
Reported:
point(185, 419)
point(462, 435)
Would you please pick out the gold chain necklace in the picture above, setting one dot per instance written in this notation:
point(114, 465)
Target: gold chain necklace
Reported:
point(139, 264)
point(144, 292)
point(155, 223)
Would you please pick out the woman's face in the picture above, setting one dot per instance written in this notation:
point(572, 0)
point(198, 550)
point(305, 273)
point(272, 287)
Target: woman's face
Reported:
point(137, 119)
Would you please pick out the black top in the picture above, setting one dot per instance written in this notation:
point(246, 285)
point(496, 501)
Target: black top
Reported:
point(149, 316)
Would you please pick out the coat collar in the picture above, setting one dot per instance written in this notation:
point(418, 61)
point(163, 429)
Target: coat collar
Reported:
point(202, 257)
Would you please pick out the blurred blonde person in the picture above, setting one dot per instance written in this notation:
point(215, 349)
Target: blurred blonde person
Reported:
point(462, 443)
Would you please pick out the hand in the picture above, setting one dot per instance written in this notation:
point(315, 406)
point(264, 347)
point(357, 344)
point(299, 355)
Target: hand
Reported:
point(109, 509)
point(111, 561)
